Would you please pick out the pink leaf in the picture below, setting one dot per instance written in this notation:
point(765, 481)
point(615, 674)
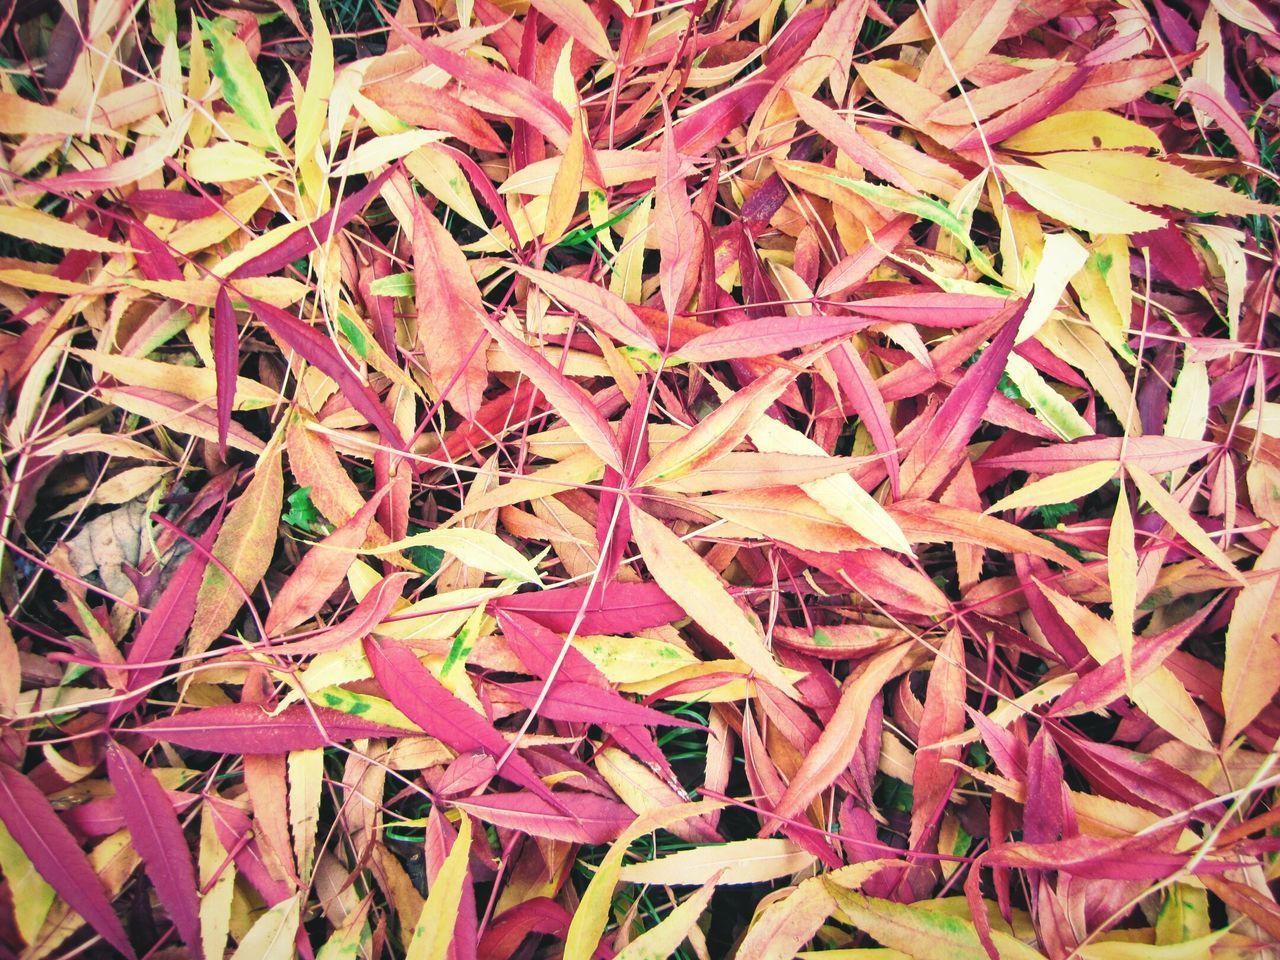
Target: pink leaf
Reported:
point(1155, 454)
point(767, 336)
point(593, 819)
point(369, 612)
point(570, 400)
point(321, 571)
point(941, 445)
point(302, 241)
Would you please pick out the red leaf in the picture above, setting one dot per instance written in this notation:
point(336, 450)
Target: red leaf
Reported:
point(167, 623)
point(541, 915)
point(575, 702)
point(321, 571)
point(248, 728)
point(940, 446)
point(613, 608)
point(319, 351)
point(157, 836)
point(172, 204)
point(56, 855)
point(306, 238)
point(428, 703)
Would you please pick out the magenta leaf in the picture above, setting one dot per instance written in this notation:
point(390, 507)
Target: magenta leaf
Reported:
point(157, 836)
point(56, 855)
point(428, 703)
point(319, 351)
point(248, 728)
point(168, 621)
point(613, 608)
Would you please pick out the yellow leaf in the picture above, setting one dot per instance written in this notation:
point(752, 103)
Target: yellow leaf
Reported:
point(203, 291)
point(690, 582)
point(1076, 203)
point(661, 941)
point(475, 548)
point(218, 878)
point(444, 179)
point(383, 150)
point(205, 232)
point(925, 934)
point(1227, 246)
point(743, 861)
point(1062, 259)
point(1188, 415)
point(21, 116)
point(1184, 915)
point(439, 916)
point(1105, 295)
point(228, 160)
point(1196, 949)
point(1152, 182)
point(1059, 487)
point(592, 915)
point(43, 282)
point(1048, 404)
point(32, 896)
point(1082, 130)
point(1122, 574)
point(840, 496)
point(245, 545)
point(633, 659)
point(1165, 504)
point(272, 935)
point(194, 383)
point(26, 223)
point(313, 103)
point(562, 202)
point(306, 777)
point(1251, 672)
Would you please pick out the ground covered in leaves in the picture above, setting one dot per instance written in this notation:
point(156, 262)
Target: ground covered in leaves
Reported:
point(605, 478)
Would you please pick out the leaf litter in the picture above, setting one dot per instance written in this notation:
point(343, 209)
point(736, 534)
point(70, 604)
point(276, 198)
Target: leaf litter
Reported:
point(599, 478)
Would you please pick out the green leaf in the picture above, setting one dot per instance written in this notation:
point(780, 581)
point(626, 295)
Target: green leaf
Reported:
point(242, 85)
point(302, 513)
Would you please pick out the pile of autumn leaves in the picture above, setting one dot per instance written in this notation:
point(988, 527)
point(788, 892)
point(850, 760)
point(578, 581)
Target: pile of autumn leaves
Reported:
point(599, 478)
